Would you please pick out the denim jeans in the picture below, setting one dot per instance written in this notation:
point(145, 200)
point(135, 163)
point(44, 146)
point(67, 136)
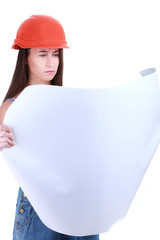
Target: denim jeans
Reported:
point(28, 225)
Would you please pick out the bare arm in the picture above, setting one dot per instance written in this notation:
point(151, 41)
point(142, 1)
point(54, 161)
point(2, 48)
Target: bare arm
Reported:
point(6, 139)
point(3, 109)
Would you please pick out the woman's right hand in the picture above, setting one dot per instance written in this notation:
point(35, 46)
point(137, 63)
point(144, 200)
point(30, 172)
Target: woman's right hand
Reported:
point(6, 137)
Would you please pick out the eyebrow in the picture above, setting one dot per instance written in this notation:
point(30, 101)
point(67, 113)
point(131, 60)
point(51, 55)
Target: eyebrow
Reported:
point(44, 51)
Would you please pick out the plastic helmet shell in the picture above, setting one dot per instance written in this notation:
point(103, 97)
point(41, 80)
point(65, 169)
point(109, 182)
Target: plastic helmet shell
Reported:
point(40, 31)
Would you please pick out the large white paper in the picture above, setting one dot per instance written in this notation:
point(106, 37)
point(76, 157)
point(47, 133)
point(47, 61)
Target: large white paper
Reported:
point(81, 154)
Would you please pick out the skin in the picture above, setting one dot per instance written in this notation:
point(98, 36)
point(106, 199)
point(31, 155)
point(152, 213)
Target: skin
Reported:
point(41, 62)
point(43, 65)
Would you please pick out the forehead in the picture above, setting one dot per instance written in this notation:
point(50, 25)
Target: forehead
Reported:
point(36, 50)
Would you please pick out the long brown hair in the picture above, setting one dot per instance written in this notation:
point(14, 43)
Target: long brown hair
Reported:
point(20, 76)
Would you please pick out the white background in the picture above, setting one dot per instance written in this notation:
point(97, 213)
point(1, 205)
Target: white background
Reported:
point(110, 42)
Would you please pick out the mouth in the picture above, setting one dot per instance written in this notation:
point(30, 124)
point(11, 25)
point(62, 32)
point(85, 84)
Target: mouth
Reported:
point(50, 72)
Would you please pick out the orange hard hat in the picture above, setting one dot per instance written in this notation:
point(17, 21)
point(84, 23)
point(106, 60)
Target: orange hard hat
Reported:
point(40, 31)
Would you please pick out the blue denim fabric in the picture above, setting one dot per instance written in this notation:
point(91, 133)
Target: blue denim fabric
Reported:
point(28, 225)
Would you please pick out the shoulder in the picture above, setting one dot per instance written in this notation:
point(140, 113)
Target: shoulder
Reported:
point(3, 109)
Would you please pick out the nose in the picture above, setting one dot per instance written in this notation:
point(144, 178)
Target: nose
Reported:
point(50, 61)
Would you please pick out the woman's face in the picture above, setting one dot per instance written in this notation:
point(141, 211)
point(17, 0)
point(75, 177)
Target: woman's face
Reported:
point(42, 65)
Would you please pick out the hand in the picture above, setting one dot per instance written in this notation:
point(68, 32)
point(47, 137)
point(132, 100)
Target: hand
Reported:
point(6, 138)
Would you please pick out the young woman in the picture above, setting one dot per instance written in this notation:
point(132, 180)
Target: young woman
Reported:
point(40, 41)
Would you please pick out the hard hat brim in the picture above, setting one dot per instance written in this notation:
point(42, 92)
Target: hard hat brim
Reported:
point(36, 45)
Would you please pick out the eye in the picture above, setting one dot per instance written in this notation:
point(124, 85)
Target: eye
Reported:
point(42, 55)
point(56, 54)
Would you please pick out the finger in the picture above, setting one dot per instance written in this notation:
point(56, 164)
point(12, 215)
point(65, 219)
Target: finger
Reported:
point(10, 136)
point(5, 135)
point(6, 140)
point(4, 127)
point(5, 144)
point(8, 144)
